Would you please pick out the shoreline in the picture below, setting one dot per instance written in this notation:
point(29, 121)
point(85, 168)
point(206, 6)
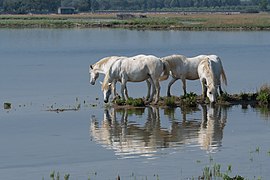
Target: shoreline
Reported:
point(143, 21)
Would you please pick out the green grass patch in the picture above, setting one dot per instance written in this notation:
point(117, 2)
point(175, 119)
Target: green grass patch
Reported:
point(170, 101)
point(264, 95)
point(136, 102)
point(189, 100)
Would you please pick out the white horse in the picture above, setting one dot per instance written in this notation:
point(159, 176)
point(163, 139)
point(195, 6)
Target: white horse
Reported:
point(103, 66)
point(135, 69)
point(182, 68)
point(210, 71)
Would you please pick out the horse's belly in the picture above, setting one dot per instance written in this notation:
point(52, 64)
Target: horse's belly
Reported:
point(192, 76)
point(137, 77)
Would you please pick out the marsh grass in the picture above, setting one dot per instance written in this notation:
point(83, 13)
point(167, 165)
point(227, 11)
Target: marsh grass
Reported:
point(214, 171)
point(199, 21)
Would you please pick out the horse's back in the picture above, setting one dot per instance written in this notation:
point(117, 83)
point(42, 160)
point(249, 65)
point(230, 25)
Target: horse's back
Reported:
point(139, 68)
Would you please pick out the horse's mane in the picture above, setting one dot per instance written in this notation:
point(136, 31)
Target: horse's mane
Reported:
point(208, 70)
point(105, 83)
point(173, 60)
point(101, 62)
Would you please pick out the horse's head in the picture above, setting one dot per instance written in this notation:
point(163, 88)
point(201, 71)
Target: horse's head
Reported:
point(107, 91)
point(93, 75)
point(212, 93)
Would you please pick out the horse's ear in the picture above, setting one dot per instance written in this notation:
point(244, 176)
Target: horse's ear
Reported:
point(209, 60)
point(91, 67)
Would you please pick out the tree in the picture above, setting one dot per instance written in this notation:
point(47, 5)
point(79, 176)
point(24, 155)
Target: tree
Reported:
point(174, 3)
point(263, 5)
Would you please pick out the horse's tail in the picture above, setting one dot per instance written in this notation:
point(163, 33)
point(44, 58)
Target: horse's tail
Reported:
point(166, 71)
point(223, 75)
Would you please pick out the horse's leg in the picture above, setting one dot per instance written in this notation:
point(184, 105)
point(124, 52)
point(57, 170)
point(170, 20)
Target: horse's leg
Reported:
point(149, 89)
point(157, 87)
point(153, 91)
point(219, 87)
point(184, 86)
point(220, 90)
point(123, 89)
point(169, 86)
point(126, 93)
point(114, 89)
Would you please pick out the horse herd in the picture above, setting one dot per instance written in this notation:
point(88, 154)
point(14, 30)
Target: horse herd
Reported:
point(152, 69)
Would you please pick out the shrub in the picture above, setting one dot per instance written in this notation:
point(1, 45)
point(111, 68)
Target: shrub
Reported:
point(264, 95)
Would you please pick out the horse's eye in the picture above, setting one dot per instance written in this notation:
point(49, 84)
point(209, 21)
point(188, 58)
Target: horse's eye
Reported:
point(210, 92)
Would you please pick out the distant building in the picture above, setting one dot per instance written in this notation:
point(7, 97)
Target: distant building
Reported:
point(66, 10)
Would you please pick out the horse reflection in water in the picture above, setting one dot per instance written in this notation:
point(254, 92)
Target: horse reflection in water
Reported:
point(211, 131)
point(144, 136)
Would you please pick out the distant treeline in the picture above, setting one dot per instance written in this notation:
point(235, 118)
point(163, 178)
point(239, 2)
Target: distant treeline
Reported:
point(50, 6)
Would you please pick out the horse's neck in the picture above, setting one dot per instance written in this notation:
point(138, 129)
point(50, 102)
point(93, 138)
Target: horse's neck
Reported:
point(102, 68)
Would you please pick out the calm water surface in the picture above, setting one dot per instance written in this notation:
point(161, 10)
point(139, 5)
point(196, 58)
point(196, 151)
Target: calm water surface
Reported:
point(41, 69)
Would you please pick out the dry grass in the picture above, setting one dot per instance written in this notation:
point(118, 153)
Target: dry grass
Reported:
point(203, 21)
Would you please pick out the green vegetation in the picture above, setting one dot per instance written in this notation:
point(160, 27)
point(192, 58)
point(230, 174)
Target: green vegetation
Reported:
point(170, 101)
point(56, 176)
point(48, 6)
point(136, 102)
point(200, 21)
point(190, 100)
point(260, 99)
point(264, 95)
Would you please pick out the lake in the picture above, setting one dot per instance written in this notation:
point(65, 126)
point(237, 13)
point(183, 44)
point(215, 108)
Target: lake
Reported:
point(45, 69)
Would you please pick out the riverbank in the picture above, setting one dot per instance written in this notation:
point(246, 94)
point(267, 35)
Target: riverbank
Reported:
point(157, 21)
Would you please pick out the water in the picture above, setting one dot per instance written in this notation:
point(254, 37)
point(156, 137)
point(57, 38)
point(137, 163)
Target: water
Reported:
point(44, 69)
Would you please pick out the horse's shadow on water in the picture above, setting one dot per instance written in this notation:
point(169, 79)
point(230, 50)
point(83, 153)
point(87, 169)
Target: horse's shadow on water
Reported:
point(142, 132)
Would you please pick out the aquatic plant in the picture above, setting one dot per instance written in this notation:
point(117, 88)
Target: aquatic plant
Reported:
point(170, 101)
point(137, 102)
point(189, 100)
point(119, 102)
point(56, 176)
point(225, 97)
point(264, 95)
